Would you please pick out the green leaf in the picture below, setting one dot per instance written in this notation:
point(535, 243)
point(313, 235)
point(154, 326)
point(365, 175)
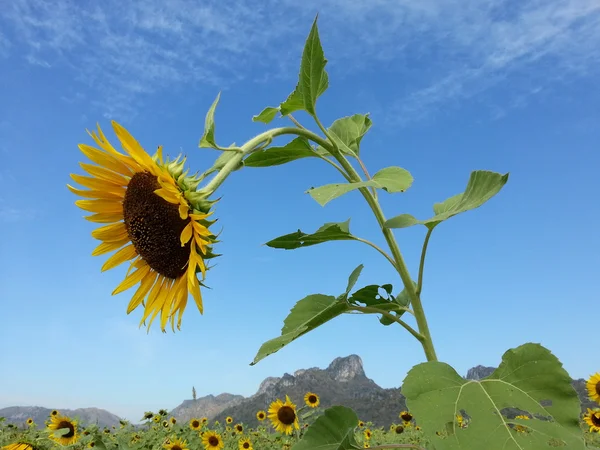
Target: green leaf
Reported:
point(312, 81)
point(309, 313)
point(208, 138)
point(334, 430)
point(274, 156)
point(482, 186)
point(353, 278)
point(331, 231)
point(530, 380)
point(312, 70)
point(349, 131)
point(390, 179)
point(266, 115)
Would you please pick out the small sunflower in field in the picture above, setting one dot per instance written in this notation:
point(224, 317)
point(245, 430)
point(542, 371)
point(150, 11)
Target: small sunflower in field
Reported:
point(593, 387)
point(398, 429)
point(148, 415)
point(212, 441)
point(283, 416)
point(30, 421)
point(239, 428)
point(195, 424)
point(176, 444)
point(261, 415)
point(366, 445)
point(245, 444)
point(19, 446)
point(406, 416)
point(54, 412)
point(204, 420)
point(228, 428)
point(163, 412)
point(361, 423)
point(68, 434)
point(592, 419)
point(91, 444)
point(155, 219)
point(229, 419)
point(311, 400)
point(173, 420)
point(367, 433)
point(157, 418)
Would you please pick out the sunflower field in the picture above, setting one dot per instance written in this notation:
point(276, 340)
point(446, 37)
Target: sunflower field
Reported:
point(157, 217)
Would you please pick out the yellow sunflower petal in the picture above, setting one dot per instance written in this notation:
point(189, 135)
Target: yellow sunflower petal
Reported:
point(125, 254)
point(97, 184)
point(147, 282)
point(135, 150)
point(111, 246)
point(186, 234)
point(184, 209)
point(194, 289)
point(113, 232)
point(167, 195)
point(105, 160)
point(105, 217)
point(100, 206)
point(105, 174)
point(132, 279)
point(95, 194)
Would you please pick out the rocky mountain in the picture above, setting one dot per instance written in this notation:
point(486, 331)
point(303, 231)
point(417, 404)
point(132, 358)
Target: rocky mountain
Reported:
point(208, 406)
point(17, 415)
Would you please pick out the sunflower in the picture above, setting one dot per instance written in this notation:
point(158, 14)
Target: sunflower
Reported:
point(19, 446)
point(367, 434)
point(148, 415)
point(361, 423)
point(68, 427)
point(261, 415)
point(163, 412)
point(91, 444)
point(204, 420)
point(245, 444)
point(176, 444)
point(366, 445)
point(195, 424)
point(239, 428)
point(156, 418)
point(283, 416)
point(311, 400)
point(30, 421)
point(406, 416)
point(398, 429)
point(54, 412)
point(173, 420)
point(593, 387)
point(212, 441)
point(229, 419)
point(592, 418)
point(154, 218)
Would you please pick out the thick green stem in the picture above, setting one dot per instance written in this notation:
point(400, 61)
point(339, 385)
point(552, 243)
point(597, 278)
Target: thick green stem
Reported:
point(422, 263)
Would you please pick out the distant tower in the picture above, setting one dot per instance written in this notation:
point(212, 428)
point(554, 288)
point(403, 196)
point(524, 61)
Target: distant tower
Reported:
point(194, 392)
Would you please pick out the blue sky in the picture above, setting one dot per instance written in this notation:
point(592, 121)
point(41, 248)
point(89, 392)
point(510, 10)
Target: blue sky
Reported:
point(452, 86)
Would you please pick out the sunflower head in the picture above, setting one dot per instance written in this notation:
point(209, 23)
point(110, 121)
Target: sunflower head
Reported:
point(212, 441)
point(367, 433)
point(593, 387)
point(283, 416)
point(155, 219)
point(406, 416)
point(229, 419)
point(54, 412)
point(195, 424)
point(261, 415)
point(163, 412)
point(398, 429)
point(173, 420)
point(592, 419)
point(176, 444)
point(239, 428)
point(311, 400)
point(245, 444)
point(148, 415)
point(361, 423)
point(20, 445)
point(64, 430)
point(30, 421)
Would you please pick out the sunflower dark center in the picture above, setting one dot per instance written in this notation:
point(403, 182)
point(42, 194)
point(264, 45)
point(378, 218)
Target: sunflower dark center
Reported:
point(213, 440)
point(154, 226)
point(595, 418)
point(69, 425)
point(176, 447)
point(195, 423)
point(245, 445)
point(399, 429)
point(312, 399)
point(261, 415)
point(598, 388)
point(286, 415)
point(407, 417)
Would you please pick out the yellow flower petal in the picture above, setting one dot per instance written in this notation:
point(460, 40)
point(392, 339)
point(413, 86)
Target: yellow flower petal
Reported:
point(105, 174)
point(183, 211)
point(167, 195)
point(132, 279)
point(105, 217)
point(125, 254)
point(186, 234)
point(100, 206)
point(104, 159)
point(147, 282)
point(111, 246)
point(98, 185)
point(95, 194)
point(135, 150)
point(113, 232)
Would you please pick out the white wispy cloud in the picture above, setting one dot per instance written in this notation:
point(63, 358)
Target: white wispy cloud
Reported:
point(442, 50)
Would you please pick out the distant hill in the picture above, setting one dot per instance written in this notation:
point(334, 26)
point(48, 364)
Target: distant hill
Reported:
point(17, 415)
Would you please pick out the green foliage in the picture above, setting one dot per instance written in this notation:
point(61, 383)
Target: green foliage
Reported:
point(313, 80)
point(347, 132)
point(331, 231)
point(529, 379)
point(482, 186)
point(334, 430)
point(208, 138)
point(353, 278)
point(266, 115)
point(390, 179)
point(275, 156)
point(309, 313)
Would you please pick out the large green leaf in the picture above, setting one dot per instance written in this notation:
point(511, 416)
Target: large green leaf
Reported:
point(312, 81)
point(274, 156)
point(309, 313)
point(349, 131)
point(331, 231)
point(334, 430)
point(530, 380)
point(482, 186)
point(208, 138)
point(353, 278)
point(266, 115)
point(390, 179)
point(371, 296)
